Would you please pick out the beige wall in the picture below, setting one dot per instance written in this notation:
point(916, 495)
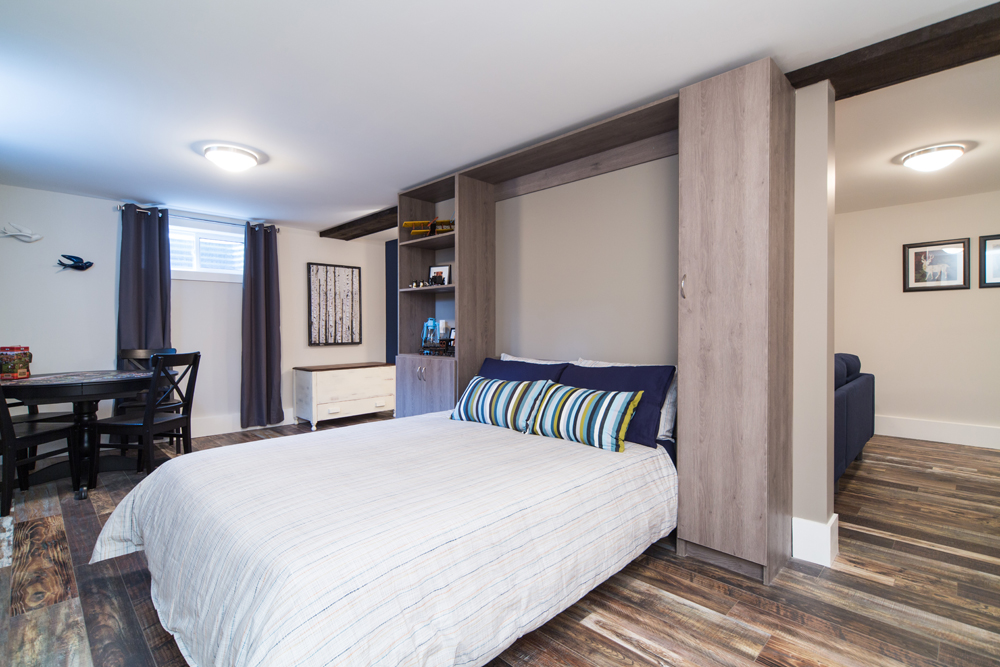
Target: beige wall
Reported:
point(207, 316)
point(590, 268)
point(934, 355)
point(68, 318)
point(814, 525)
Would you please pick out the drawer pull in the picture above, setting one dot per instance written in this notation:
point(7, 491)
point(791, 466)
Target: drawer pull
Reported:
point(379, 404)
point(332, 411)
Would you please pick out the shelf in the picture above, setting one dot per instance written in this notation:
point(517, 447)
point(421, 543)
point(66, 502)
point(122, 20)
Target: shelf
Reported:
point(436, 242)
point(439, 289)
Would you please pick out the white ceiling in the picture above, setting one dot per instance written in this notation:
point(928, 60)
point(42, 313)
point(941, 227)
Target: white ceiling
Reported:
point(353, 101)
point(955, 106)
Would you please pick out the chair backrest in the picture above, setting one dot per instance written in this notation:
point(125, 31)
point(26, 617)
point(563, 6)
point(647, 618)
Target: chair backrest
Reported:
point(139, 360)
point(172, 384)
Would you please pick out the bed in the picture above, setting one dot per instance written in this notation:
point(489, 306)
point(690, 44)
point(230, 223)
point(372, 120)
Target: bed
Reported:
point(417, 541)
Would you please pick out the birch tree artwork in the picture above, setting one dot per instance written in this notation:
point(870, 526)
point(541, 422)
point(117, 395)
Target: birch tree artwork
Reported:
point(334, 304)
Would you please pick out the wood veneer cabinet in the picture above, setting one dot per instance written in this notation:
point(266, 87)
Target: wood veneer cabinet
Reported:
point(735, 319)
point(473, 291)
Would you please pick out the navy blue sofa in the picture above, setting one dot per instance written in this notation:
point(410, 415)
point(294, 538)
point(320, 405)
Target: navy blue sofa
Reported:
point(853, 409)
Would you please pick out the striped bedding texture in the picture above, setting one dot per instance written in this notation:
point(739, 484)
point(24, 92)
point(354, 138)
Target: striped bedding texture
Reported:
point(417, 541)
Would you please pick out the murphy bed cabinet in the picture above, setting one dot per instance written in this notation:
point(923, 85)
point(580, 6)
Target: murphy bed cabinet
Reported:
point(425, 383)
point(735, 320)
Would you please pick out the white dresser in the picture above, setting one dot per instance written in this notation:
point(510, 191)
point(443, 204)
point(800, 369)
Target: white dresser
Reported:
point(343, 390)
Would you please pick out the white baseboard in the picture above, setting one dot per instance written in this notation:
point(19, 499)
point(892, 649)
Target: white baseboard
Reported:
point(217, 424)
point(815, 541)
point(974, 435)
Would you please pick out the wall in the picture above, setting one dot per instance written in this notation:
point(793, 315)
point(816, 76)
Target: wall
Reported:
point(934, 355)
point(68, 318)
point(814, 525)
point(590, 268)
point(207, 316)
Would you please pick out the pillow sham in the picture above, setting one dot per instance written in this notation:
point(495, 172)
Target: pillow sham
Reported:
point(505, 403)
point(519, 370)
point(653, 381)
point(668, 413)
point(588, 416)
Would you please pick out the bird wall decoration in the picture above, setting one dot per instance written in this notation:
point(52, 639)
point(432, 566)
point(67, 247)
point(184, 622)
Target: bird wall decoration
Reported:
point(77, 263)
point(21, 234)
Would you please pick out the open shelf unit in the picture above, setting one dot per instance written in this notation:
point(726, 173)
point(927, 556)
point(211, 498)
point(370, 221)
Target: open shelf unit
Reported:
point(627, 139)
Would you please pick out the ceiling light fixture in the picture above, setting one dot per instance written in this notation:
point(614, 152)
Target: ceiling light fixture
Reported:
point(933, 158)
point(231, 158)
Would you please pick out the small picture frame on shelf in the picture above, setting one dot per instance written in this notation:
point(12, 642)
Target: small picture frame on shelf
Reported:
point(440, 275)
point(989, 261)
point(936, 265)
point(451, 334)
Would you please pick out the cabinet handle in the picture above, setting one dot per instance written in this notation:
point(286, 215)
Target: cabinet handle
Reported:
point(683, 280)
point(420, 375)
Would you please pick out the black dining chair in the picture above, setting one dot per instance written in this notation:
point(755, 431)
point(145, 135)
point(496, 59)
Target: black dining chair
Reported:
point(169, 400)
point(20, 443)
point(135, 360)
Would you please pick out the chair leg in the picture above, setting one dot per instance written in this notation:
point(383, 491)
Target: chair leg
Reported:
point(8, 483)
point(22, 471)
point(95, 459)
point(32, 451)
point(147, 445)
point(186, 437)
point(74, 458)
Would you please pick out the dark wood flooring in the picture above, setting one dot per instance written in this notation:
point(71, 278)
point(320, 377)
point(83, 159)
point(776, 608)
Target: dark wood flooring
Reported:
point(917, 582)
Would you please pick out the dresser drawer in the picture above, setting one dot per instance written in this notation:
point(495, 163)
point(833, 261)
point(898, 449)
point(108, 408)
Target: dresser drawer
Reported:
point(349, 385)
point(360, 406)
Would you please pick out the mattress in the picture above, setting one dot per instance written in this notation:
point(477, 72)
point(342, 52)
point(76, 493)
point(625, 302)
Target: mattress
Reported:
point(417, 541)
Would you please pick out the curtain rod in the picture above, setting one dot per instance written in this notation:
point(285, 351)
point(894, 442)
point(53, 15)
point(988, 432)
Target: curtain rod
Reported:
point(121, 207)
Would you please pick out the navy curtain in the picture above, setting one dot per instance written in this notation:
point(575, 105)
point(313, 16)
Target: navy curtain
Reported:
point(144, 280)
point(260, 393)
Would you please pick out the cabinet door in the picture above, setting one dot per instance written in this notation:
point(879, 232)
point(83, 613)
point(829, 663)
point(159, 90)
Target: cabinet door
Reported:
point(733, 210)
point(410, 396)
point(439, 383)
point(424, 384)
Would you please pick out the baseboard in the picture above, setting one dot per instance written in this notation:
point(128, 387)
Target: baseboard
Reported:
point(815, 541)
point(974, 435)
point(217, 424)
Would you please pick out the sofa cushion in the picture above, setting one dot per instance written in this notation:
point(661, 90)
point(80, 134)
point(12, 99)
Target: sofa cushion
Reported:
point(853, 364)
point(839, 372)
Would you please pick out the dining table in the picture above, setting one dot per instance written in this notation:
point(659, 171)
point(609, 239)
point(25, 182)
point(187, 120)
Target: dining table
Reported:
point(85, 390)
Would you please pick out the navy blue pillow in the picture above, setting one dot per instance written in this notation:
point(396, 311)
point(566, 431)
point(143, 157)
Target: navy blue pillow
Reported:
point(852, 363)
point(653, 381)
point(495, 369)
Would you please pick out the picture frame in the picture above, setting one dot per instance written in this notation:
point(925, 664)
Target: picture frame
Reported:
point(989, 261)
point(936, 265)
point(334, 304)
point(441, 272)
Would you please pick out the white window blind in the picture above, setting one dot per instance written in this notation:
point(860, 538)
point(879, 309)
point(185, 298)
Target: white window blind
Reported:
point(205, 250)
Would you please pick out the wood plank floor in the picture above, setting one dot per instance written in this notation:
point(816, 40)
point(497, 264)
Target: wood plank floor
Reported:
point(917, 582)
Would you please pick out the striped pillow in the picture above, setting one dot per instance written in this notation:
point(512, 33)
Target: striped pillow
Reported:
point(507, 403)
point(592, 417)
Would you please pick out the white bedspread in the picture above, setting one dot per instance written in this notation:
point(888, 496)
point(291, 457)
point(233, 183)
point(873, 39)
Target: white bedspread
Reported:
point(419, 541)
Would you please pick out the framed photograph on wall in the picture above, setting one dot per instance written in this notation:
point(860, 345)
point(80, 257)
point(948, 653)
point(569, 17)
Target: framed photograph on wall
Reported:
point(334, 304)
point(936, 265)
point(440, 275)
point(989, 261)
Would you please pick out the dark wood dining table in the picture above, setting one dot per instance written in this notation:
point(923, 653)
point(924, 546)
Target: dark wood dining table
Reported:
point(85, 390)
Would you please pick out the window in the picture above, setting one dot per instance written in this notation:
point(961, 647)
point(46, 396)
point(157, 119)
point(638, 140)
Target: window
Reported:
point(205, 249)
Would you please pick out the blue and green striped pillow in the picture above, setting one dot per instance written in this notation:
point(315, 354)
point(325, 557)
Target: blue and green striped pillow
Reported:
point(589, 416)
point(507, 403)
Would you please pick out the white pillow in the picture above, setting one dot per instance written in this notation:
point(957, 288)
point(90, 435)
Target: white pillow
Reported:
point(668, 412)
point(506, 357)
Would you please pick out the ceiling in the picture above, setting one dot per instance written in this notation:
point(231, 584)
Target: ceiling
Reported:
point(354, 101)
point(959, 105)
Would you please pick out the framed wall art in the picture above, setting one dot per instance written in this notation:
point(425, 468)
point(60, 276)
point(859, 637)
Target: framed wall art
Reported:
point(334, 304)
point(989, 261)
point(936, 265)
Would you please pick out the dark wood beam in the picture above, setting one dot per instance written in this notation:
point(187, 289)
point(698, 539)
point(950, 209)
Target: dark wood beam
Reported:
point(374, 222)
point(956, 41)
